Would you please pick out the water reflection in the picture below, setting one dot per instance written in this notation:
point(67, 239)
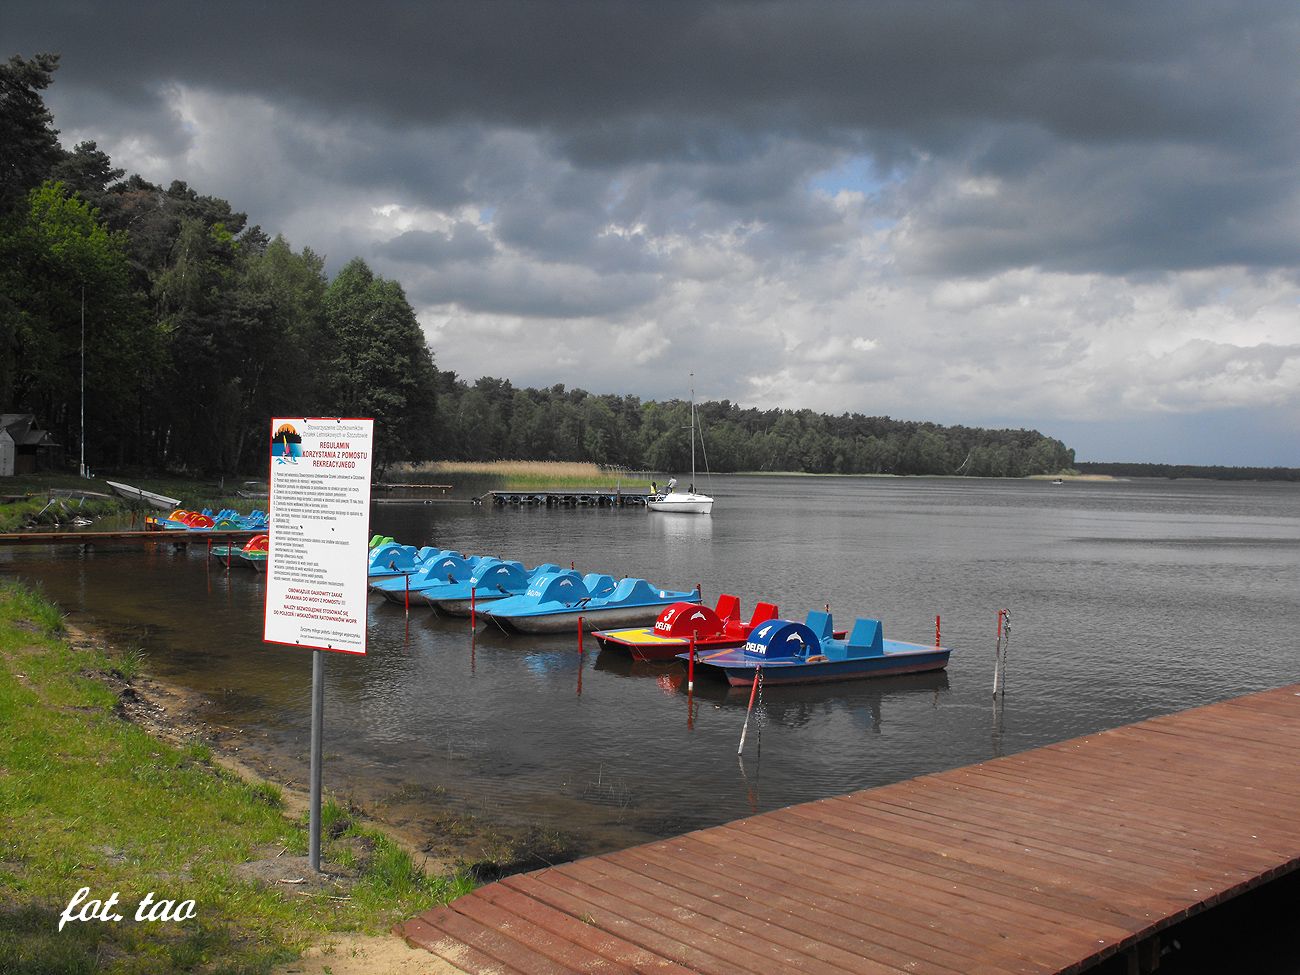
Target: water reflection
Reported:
point(1129, 600)
point(679, 529)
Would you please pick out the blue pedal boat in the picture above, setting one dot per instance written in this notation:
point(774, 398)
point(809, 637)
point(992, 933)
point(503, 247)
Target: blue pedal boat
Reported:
point(808, 653)
point(391, 559)
point(444, 568)
point(492, 580)
point(556, 601)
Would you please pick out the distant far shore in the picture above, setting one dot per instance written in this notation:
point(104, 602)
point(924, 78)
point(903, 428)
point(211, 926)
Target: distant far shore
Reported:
point(944, 477)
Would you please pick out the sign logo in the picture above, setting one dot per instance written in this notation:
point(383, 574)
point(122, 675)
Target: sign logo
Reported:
point(286, 444)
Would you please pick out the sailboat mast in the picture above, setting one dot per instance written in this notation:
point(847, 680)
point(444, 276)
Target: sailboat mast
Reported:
point(692, 431)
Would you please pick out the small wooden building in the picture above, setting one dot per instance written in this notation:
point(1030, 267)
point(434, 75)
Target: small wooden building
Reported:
point(24, 449)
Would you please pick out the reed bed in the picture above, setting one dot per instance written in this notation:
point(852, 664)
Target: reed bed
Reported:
point(519, 475)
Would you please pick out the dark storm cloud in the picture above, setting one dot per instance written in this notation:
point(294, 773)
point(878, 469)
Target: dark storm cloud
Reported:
point(1092, 72)
point(432, 248)
point(1088, 71)
point(713, 94)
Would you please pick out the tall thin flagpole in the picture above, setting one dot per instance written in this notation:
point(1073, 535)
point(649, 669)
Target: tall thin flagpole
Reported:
point(83, 380)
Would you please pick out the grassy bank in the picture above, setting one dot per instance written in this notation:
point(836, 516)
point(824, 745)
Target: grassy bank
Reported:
point(89, 799)
point(33, 501)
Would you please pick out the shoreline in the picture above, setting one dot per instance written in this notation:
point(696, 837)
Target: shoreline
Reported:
point(936, 477)
point(440, 839)
point(117, 783)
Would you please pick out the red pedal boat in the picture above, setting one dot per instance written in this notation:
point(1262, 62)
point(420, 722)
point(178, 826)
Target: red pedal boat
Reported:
point(713, 629)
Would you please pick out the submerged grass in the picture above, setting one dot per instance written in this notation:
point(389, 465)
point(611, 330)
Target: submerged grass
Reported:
point(89, 799)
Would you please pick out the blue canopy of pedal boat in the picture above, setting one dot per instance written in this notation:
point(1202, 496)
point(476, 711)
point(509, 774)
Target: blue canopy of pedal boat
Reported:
point(392, 559)
point(565, 592)
point(446, 567)
point(492, 579)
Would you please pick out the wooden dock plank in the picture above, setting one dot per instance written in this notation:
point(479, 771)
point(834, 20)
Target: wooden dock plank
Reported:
point(1027, 928)
point(840, 920)
point(1092, 831)
point(1228, 797)
point(570, 955)
point(981, 890)
point(1045, 861)
point(755, 921)
point(677, 945)
point(1104, 816)
point(883, 904)
point(1153, 807)
point(721, 937)
point(566, 925)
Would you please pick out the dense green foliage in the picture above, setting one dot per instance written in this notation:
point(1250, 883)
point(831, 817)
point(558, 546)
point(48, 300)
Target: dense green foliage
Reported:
point(1191, 470)
point(491, 419)
point(199, 328)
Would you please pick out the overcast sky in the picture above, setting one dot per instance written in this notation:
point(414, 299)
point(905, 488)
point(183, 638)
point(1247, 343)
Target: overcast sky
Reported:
point(1078, 217)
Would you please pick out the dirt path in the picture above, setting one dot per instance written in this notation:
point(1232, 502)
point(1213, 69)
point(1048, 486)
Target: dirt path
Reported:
point(366, 955)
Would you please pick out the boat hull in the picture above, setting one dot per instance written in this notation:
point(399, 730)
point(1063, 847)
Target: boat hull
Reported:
point(566, 622)
point(682, 504)
point(643, 645)
point(836, 670)
point(159, 501)
point(459, 607)
point(229, 555)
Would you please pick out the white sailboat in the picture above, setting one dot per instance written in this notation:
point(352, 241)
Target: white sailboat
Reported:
point(684, 502)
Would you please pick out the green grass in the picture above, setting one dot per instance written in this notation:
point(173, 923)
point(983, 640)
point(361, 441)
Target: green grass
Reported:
point(88, 799)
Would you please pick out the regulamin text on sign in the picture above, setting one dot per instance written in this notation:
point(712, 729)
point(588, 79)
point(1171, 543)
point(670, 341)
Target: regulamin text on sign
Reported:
point(320, 528)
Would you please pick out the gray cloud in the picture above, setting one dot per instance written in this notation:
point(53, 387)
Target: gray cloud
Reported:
point(431, 248)
point(845, 204)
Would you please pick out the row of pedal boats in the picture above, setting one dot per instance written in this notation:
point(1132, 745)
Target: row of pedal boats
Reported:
point(649, 623)
point(227, 519)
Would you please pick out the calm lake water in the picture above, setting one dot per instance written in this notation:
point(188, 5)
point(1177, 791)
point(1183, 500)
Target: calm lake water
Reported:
point(1127, 599)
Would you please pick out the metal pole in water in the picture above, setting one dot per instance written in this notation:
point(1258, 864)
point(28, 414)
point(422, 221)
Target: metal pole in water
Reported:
point(317, 729)
point(579, 635)
point(937, 643)
point(1000, 654)
point(997, 656)
point(407, 579)
point(690, 668)
point(753, 692)
point(472, 621)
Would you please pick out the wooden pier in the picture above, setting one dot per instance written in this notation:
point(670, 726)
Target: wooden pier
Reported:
point(1051, 860)
point(571, 498)
point(150, 537)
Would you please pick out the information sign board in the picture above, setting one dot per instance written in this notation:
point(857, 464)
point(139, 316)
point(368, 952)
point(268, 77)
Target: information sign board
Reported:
point(316, 565)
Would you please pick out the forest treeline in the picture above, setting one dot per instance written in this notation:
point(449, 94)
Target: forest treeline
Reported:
point(492, 419)
point(1121, 469)
point(199, 326)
